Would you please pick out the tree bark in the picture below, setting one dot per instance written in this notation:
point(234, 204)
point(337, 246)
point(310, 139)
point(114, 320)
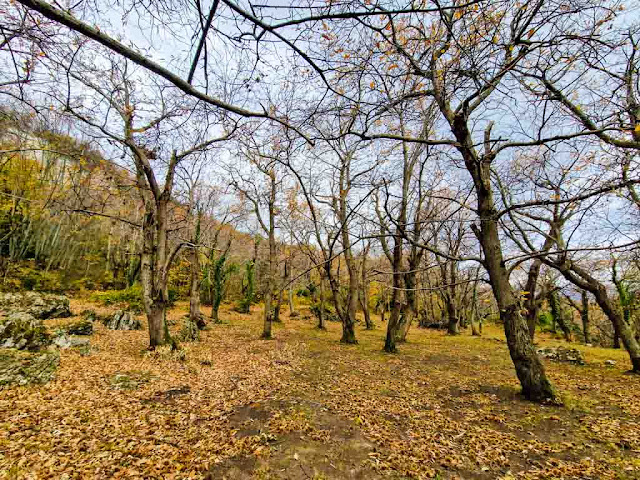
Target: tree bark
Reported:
point(321, 303)
point(195, 315)
point(364, 291)
point(453, 322)
point(584, 316)
point(268, 313)
point(622, 326)
point(529, 368)
point(394, 315)
point(292, 307)
point(532, 301)
point(558, 314)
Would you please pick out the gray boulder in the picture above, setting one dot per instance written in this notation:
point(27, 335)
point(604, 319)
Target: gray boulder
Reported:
point(562, 354)
point(64, 341)
point(81, 327)
point(123, 320)
point(23, 368)
point(90, 315)
point(23, 331)
point(40, 305)
point(189, 331)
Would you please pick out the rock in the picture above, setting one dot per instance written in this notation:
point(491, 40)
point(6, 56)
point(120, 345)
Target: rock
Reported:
point(190, 331)
point(89, 315)
point(201, 322)
point(23, 368)
point(23, 331)
point(40, 305)
point(562, 354)
point(130, 380)
point(81, 327)
point(434, 326)
point(123, 320)
point(64, 341)
point(610, 362)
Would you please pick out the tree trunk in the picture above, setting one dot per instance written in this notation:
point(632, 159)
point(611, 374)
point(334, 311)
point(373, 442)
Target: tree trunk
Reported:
point(474, 329)
point(349, 317)
point(276, 310)
point(214, 313)
point(453, 322)
point(292, 308)
point(157, 325)
point(532, 301)
point(364, 304)
point(406, 319)
point(395, 314)
point(453, 326)
point(533, 308)
point(529, 368)
point(266, 331)
point(217, 279)
point(474, 309)
point(410, 309)
point(321, 302)
point(584, 316)
point(195, 315)
point(285, 280)
point(154, 271)
point(622, 327)
point(558, 315)
point(268, 312)
point(364, 290)
point(349, 320)
point(271, 275)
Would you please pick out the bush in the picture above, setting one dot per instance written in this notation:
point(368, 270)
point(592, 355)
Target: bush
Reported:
point(545, 320)
point(131, 296)
point(303, 293)
point(243, 306)
point(329, 313)
point(40, 280)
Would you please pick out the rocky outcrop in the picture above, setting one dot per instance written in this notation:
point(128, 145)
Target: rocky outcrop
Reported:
point(562, 354)
point(64, 341)
point(40, 305)
point(189, 331)
point(23, 331)
point(21, 368)
point(90, 315)
point(81, 327)
point(122, 320)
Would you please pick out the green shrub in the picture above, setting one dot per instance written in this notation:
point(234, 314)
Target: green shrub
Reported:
point(41, 280)
point(174, 295)
point(131, 296)
point(329, 313)
point(248, 289)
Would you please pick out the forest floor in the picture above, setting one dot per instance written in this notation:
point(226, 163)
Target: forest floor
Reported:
point(303, 406)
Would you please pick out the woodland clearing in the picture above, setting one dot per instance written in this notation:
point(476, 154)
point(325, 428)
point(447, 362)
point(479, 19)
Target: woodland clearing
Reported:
point(304, 406)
